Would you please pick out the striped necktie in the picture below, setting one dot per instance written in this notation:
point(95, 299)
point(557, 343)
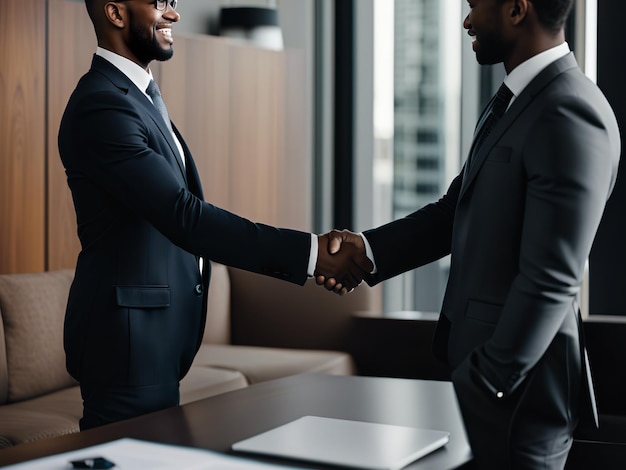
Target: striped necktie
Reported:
point(498, 106)
point(155, 94)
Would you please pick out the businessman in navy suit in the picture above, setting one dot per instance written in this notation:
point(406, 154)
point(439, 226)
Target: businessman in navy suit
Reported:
point(137, 306)
point(519, 222)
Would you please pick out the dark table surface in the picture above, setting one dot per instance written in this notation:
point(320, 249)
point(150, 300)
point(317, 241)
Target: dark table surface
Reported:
point(216, 423)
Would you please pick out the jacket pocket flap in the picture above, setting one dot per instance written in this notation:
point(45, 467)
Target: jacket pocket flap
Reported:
point(142, 296)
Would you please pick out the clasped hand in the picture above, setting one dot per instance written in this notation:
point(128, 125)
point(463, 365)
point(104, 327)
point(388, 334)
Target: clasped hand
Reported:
point(341, 261)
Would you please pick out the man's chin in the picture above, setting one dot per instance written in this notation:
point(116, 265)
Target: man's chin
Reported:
point(166, 54)
point(482, 60)
point(485, 58)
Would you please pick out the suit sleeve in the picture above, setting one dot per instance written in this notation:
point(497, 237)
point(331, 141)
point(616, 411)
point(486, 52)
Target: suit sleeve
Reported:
point(415, 240)
point(113, 143)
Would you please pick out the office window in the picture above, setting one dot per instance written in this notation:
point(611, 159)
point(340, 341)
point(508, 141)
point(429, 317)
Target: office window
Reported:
point(428, 136)
point(428, 163)
point(428, 91)
point(422, 137)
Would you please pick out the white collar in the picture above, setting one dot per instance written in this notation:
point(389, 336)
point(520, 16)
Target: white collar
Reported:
point(140, 77)
point(524, 73)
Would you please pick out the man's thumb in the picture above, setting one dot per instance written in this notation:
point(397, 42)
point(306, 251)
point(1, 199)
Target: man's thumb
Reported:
point(334, 243)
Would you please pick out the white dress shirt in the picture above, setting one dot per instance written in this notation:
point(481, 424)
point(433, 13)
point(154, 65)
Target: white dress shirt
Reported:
point(524, 73)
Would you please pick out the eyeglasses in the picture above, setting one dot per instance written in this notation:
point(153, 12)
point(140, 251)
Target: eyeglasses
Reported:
point(161, 5)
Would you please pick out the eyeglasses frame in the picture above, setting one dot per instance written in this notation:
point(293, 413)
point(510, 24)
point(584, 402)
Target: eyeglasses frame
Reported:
point(171, 3)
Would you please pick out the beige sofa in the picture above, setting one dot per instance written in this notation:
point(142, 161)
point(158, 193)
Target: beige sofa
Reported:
point(302, 329)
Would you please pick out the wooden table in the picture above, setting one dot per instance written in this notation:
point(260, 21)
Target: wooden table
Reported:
point(216, 423)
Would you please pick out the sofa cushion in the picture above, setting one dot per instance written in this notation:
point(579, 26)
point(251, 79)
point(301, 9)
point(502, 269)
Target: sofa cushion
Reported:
point(259, 364)
point(51, 415)
point(33, 309)
point(203, 382)
point(58, 413)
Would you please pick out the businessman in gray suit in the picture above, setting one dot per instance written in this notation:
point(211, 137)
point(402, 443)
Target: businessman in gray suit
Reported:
point(519, 222)
point(137, 306)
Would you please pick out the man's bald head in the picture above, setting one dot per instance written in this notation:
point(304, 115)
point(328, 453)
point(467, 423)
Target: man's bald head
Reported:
point(137, 30)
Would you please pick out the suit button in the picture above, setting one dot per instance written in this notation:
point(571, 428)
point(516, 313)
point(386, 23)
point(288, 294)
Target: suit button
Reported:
point(198, 289)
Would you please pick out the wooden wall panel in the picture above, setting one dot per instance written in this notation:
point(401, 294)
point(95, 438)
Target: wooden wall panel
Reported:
point(196, 88)
point(239, 108)
point(22, 130)
point(242, 114)
point(72, 44)
point(255, 153)
point(298, 128)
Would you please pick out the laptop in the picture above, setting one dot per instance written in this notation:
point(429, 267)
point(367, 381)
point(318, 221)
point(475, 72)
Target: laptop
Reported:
point(345, 443)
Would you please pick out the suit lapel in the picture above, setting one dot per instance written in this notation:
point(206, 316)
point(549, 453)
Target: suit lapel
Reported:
point(125, 85)
point(167, 135)
point(191, 173)
point(165, 132)
point(516, 110)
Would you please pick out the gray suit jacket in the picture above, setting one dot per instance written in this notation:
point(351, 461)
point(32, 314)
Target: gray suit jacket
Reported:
point(519, 225)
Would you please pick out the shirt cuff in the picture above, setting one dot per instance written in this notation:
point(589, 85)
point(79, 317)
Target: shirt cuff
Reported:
point(369, 253)
point(312, 256)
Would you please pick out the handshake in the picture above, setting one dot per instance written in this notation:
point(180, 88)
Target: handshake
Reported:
point(341, 261)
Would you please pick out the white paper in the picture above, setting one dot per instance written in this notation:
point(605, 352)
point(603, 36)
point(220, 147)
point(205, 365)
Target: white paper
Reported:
point(133, 454)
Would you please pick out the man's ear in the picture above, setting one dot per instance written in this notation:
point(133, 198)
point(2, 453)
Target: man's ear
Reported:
point(115, 14)
point(518, 11)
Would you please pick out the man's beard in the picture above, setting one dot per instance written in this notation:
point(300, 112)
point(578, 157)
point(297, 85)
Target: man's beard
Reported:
point(489, 49)
point(147, 48)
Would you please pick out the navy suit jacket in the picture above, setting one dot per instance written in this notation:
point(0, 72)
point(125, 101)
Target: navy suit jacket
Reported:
point(519, 225)
point(136, 310)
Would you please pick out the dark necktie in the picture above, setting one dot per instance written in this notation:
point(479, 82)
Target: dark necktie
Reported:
point(154, 93)
point(498, 106)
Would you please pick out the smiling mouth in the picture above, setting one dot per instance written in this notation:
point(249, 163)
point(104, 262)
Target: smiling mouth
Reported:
point(472, 36)
point(165, 31)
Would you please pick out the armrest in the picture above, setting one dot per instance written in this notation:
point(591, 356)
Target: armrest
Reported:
point(604, 336)
point(396, 345)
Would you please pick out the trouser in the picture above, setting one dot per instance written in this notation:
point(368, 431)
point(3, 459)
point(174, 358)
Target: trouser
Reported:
point(531, 429)
point(108, 404)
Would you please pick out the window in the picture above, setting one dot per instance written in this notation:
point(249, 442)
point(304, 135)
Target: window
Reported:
point(423, 108)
